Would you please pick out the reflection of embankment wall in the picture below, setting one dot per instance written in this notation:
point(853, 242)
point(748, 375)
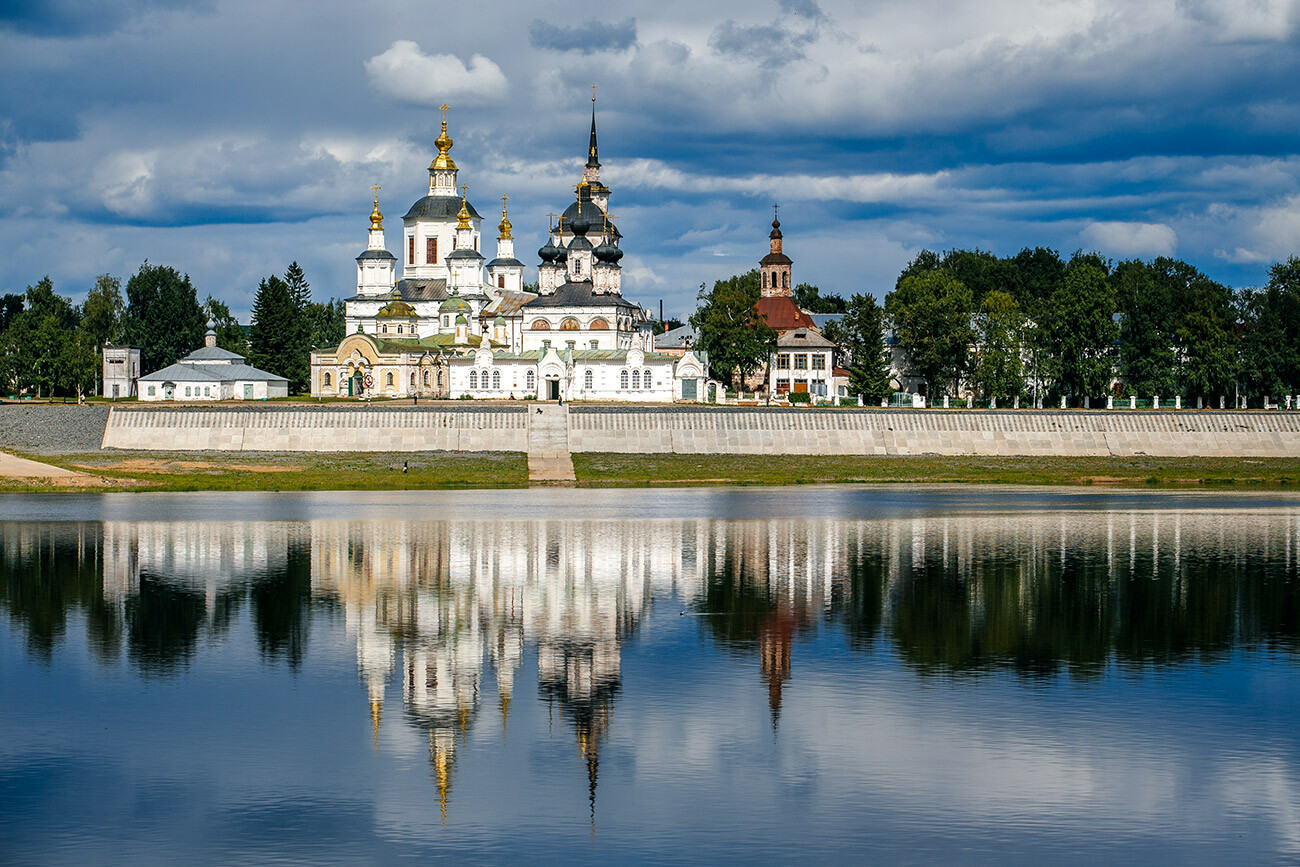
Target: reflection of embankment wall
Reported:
point(911, 432)
point(303, 429)
point(689, 430)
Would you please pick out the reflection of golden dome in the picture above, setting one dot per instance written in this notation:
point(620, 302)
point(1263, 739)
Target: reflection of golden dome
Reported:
point(376, 712)
point(443, 161)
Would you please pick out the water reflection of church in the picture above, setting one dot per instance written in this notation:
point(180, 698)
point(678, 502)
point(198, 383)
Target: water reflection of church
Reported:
point(449, 610)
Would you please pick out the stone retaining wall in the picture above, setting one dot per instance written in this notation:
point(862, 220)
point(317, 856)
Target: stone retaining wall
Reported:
point(887, 432)
point(294, 429)
point(706, 430)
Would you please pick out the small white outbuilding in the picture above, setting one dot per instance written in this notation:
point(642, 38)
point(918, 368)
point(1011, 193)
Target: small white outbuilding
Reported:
point(212, 373)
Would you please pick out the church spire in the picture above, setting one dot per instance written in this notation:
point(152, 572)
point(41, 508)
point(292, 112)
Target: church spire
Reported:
point(593, 159)
point(442, 171)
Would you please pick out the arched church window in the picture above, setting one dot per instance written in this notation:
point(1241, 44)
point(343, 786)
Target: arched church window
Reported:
point(599, 324)
point(326, 380)
point(496, 380)
point(764, 279)
point(431, 251)
point(399, 329)
point(622, 379)
point(636, 380)
point(388, 379)
point(412, 380)
point(570, 324)
point(785, 280)
point(646, 379)
point(501, 281)
point(473, 379)
point(426, 379)
point(541, 325)
point(588, 380)
point(530, 381)
point(446, 321)
point(385, 331)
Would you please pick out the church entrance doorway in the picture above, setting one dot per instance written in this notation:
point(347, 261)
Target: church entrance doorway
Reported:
point(169, 391)
point(354, 385)
point(553, 389)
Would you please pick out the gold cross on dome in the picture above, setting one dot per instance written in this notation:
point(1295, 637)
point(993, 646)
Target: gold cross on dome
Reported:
point(550, 218)
point(464, 188)
point(443, 108)
point(775, 208)
point(376, 188)
point(504, 199)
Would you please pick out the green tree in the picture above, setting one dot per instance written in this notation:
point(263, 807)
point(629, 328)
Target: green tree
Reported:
point(981, 272)
point(10, 306)
point(101, 313)
point(231, 336)
point(1081, 330)
point(1270, 342)
point(163, 317)
point(931, 312)
point(78, 364)
point(298, 359)
point(861, 331)
point(999, 370)
point(34, 341)
point(809, 297)
point(1146, 351)
point(325, 324)
point(728, 328)
point(273, 343)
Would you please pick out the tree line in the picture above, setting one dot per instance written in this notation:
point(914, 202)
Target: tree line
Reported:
point(52, 347)
point(1037, 326)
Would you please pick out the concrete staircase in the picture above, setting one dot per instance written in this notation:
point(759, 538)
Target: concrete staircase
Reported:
point(549, 461)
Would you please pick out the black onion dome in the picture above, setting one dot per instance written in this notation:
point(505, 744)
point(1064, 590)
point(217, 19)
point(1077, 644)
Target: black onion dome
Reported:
point(579, 242)
point(607, 252)
point(579, 225)
point(776, 230)
point(589, 210)
point(548, 252)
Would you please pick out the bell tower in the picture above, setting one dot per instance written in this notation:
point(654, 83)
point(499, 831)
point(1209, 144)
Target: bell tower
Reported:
point(774, 268)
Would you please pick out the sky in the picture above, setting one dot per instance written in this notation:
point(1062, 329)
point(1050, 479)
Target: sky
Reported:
point(229, 137)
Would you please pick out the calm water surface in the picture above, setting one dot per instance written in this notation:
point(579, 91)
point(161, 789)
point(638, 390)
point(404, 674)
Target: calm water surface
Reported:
point(812, 674)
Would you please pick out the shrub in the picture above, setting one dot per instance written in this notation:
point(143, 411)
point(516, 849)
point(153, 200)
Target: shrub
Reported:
point(799, 397)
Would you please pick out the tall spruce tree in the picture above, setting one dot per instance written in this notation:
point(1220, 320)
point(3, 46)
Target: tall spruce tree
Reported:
point(273, 343)
point(862, 328)
point(298, 364)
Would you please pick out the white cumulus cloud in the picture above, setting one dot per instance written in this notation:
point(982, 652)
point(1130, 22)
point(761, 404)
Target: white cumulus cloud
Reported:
point(407, 73)
point(1131, 239)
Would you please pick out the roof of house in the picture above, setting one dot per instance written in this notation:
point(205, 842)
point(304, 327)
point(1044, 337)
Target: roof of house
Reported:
point(439, 207)
point(681, 337)
point(803, 338)
point(508, 303)
point(213, 353)
point(210, 373)
point(782, 313)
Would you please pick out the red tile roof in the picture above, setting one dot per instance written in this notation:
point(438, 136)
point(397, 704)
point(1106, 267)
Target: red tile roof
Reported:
point(783, 314)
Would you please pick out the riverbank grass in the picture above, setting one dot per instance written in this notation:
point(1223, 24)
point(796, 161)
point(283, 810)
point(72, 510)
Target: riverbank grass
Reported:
point(619, 470)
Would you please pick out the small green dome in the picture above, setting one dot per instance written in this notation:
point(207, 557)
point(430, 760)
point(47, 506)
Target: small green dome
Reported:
point(461, 320)
point(454, 304)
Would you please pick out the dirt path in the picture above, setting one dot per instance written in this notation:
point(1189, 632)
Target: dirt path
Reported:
point(14, 467)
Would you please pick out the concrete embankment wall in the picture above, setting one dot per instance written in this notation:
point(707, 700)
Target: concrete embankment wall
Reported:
point(903, 432)
point(708, 430)
point(310, 429)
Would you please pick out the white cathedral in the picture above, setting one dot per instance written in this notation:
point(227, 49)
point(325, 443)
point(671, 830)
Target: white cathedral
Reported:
point(453, 326)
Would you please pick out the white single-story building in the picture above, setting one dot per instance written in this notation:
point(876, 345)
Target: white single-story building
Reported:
point(212, 373)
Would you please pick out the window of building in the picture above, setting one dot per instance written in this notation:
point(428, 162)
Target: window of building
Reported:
point(546, 344)
point(446, 321)
point(385, 329)
point(475, 243)
point(431, 251)
point(326, 380)
point(473, 379)
point(599, 324)
point(399, 329)
point(595, 344)
point(440, 379)
point(501, 281)
point(571, 344)
point(588, 380)
point(410, 250)
point(645, 377)
point(622, 379)
point(764, 279)
point(636, 379)
point(151, 393)
point(496, 380)
point(426, 379)
point(570, 324)
point(530, 381)
point(783, 361)
point(541, 325)
point(800, 362)
point(819, 362)
point(785, 280)
point(388, 379)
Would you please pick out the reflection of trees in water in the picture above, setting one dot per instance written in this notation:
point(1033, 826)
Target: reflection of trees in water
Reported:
point(134, 596)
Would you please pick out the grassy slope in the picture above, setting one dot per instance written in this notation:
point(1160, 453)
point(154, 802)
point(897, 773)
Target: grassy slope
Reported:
point(618, 470)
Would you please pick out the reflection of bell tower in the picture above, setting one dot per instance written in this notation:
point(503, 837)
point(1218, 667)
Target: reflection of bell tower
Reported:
point(776, 635)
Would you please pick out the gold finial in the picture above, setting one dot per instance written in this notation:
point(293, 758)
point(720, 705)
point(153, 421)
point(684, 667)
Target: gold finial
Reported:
point(443, 161)
point(376, 218)
point(504, 227)
point(462, 218)
point(593, 93)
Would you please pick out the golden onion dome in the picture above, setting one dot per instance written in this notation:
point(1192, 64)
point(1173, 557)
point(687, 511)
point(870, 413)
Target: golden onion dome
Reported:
point(504, 227)
point(376, 218)
point(462, 217)
point(443, 161)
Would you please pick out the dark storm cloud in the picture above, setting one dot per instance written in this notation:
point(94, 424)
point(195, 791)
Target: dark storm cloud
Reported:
point(71, 18)
point(587, 39)
point(768, 44)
